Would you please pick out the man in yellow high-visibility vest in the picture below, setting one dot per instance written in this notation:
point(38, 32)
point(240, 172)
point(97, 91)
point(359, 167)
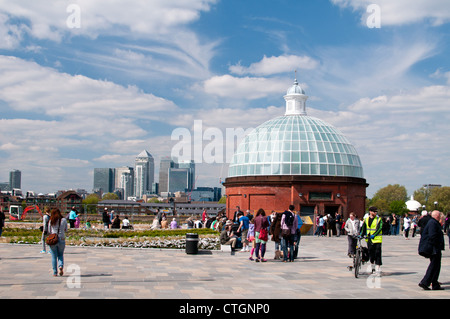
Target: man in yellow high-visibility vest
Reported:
point(372, 231)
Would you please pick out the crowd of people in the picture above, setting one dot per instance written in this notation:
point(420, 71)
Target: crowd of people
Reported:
point(250, 234)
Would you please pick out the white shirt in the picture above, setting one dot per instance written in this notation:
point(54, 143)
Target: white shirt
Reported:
point(406, 222)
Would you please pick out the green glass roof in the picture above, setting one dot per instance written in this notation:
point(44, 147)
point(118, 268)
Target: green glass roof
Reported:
point(296, 145)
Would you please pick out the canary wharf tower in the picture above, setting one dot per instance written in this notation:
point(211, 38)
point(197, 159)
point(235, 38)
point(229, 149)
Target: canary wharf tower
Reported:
point(296, 159)
point(144, 173)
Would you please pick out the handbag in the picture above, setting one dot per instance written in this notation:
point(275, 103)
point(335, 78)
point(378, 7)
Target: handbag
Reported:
point(263, 235)
point(285, 233)
point(52, 239)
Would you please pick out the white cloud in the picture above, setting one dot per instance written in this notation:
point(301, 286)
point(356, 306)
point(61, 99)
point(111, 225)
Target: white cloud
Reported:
point(348, 73)
point(66, 123)
point(405, 132)
point(141, 18)
point(275, 65)
point(402, 12)
point(167, 45)
point(248, 88)
point(63, 95)
point(10, 34)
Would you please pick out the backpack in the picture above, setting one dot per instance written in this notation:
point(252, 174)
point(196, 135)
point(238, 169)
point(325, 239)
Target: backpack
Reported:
point(288, 218)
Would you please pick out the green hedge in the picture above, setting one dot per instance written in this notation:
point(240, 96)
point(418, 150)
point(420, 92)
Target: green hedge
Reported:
point(77, 233)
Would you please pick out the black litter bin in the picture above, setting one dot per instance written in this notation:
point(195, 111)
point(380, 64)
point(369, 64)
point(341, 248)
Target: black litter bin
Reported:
point(191, 243)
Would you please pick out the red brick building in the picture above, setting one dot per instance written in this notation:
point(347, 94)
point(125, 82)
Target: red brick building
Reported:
point(296, 159)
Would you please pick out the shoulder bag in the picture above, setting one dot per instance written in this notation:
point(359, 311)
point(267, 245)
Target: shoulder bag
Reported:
point(52, 239)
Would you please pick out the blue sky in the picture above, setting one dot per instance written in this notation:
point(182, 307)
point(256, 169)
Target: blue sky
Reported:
point(97, 94)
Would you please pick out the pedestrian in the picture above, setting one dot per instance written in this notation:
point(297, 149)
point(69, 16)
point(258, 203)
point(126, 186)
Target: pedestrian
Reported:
point(394, 222)
point(406, 226)
point(2, 220)
point(72, 217)
point(430, 246)
point(173, 224)
point(275, 232)
point(116, 222)
point(298, 233)
point(57, 225)
point(447, 228)
point(261, 235)
point(288, 229)
point(251, 237)
point(321, 227)
point(330, 225)
point(105, 218)
point(235, 217)
point(414, 225)
point(77, 221)
point(316, 232)
point(227, 237)
point(424, 218)
point(45, 219)
point(204, 216)
point(338, 222)
point(244, 222)
point(126, 223)
point(372, 230)
point(190, 222)
point(352, 229)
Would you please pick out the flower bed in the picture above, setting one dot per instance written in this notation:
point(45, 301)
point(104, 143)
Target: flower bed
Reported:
point(164, 239)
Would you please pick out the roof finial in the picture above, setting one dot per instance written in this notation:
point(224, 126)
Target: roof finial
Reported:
point(295, 82)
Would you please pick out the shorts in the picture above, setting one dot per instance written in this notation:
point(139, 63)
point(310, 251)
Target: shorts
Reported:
point(244, 236)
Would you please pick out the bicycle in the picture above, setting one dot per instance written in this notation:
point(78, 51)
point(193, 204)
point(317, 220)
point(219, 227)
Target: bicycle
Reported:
point(358, 259)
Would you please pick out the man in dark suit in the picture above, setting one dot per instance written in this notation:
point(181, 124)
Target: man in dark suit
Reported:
point(430, 246)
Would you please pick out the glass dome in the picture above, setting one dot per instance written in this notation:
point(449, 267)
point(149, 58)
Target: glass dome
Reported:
point(295, 145)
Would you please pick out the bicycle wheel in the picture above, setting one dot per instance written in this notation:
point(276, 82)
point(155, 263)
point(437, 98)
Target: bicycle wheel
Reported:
point(357, 263)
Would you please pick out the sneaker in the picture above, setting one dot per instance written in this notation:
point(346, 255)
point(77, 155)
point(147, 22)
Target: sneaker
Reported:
point(263, 260)
point(250, 258)
point(42, 252)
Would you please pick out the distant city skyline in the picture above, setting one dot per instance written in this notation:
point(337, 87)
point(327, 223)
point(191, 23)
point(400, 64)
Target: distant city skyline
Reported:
point(137, 181)
point(93, 87)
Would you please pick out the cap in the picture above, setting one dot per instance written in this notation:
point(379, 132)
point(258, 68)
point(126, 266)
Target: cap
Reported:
point(373, 209)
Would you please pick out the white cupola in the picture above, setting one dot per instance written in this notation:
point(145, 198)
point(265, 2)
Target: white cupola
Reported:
point(295, 100)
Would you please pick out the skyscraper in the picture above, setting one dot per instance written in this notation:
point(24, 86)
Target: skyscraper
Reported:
point(15, 179)
point(144, 174)
point(124, 180)
point(164, 165)
point(104, 180)
point(178, 180)
point(190, 166)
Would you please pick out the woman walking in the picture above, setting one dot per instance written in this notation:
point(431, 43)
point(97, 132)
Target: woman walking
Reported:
point(261, 224)
point(57, 225)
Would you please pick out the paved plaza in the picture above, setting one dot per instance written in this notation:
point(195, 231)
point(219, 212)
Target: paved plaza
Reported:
point(320, 272)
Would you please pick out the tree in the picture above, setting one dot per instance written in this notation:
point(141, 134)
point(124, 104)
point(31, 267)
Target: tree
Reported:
point(440, 195)
point(398, 207)
point(110, 196)
point(428, 196)
point(91, 202)
point(388, 194)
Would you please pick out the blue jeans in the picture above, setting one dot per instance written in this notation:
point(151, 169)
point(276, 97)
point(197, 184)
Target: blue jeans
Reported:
point(58, 255)
point(288, 242)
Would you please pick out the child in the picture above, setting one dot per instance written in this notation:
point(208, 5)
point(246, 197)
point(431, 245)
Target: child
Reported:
point(251, 238)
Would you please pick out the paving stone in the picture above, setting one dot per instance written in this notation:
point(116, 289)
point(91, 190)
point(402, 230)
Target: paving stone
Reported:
point(130, 273)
